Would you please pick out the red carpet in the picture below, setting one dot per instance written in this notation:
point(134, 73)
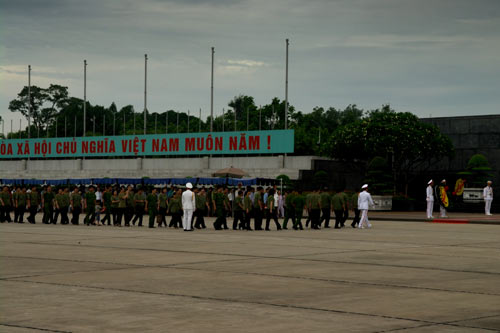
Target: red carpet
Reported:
point(454, 221)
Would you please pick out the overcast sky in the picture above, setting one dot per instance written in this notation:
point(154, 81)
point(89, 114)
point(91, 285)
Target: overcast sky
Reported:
point(430, 57)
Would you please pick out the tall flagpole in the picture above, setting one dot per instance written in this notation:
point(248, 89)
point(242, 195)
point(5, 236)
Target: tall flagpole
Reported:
point(84, 97)
point(260, 117)
point(199, 123)
point(29, 101)
point(223, 116)
point(145, 89)
point(286, 86)
point(188, 121)
point(212, 94)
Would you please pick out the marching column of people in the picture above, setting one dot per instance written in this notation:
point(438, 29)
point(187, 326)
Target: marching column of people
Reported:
point(126, 206)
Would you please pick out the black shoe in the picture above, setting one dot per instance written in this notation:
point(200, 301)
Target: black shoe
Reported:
point(285, 228)
point(327, 227)
point(151, 227)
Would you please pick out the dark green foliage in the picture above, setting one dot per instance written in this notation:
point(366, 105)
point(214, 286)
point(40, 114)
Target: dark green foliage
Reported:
point(379, 177)
point(320, 179)
point(407, 143)
point(477, 172)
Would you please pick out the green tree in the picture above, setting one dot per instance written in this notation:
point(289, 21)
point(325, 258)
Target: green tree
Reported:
point(478, 171)
point(406, 142)
point(45, 104)
point(378, 176)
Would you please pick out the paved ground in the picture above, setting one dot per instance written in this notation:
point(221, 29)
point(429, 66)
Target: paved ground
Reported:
point(475, 218)
point(408, 277)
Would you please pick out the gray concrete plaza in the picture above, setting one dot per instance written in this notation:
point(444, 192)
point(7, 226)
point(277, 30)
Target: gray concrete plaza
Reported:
point(409, 277)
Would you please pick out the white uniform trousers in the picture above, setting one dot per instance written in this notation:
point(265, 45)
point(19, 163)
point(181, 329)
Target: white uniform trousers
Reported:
point(187, 218)
point(364, 218)
point(430, 208)
point(487, 206)
point(442, 211)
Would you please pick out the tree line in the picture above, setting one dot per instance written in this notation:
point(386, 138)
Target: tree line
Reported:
point(352, 135)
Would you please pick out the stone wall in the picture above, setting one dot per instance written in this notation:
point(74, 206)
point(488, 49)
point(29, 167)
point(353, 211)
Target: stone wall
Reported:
point(470, 135)
point(256, 166)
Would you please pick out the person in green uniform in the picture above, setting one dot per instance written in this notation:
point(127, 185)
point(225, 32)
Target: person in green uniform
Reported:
point(210, 201)
point(21, 202)
point(271, 211)
point(152, 207)
point(345, 213)
point(227, 208)
point(139, 202)
point(57, 210)
point(129, 209)
point(90, 201)
point(308, 200)
point(299, 204)
point(338, 204)
point(201, 208)
point(315, 207)
point(325, 207)
point(175, 208)
point(289, 210)
point(75, 200)
point(63, 203)
point(218, 207)
point(258, 208)
point(48, 206)
point(354, 206)
point(238, 212)
point(14, 200)
point(5, 205)
point(122, 206)
point(33, 203)
point(247, 208)
point(115, 201)
point(162, 207)
point(106, 204)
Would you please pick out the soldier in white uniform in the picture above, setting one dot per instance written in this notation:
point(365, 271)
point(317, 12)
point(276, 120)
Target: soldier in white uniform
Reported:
point(364, 201)
point(188, 206)
point(488, 198)
point(430, 199)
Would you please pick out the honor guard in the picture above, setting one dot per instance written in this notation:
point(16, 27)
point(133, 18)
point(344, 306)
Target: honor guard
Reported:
point(488, 198)
point(364, 201)
point(430, 199)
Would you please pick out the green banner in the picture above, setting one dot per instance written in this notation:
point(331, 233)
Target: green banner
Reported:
point(215, 143)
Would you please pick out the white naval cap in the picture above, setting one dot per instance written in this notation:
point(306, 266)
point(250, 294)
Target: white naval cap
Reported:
point(429, 182)
point(489, 182)
point(443, 181)
point(189, 185)
point(364, 186)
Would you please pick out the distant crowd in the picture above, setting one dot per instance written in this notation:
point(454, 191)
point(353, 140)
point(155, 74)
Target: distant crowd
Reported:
point(125, 206)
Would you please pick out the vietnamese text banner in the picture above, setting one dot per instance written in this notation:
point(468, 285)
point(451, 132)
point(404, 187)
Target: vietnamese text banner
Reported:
point(215, 143)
